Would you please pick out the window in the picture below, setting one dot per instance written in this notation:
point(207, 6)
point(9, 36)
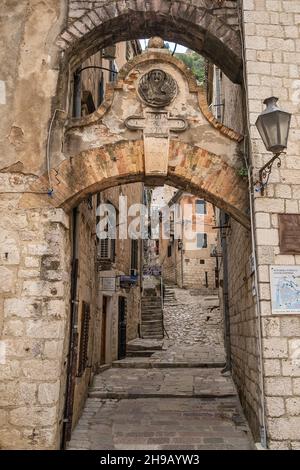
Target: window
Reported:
point(200, 207)
point(169, 251)
point(113, 74)
point(107, 249)
point(134, 254)
point(101, 91)
point(202, 261)
point(84, 338)
point(201, 240)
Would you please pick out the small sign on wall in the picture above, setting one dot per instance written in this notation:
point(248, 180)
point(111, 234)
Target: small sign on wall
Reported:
point(289, 229)
point(285, 289)
point(108, 284)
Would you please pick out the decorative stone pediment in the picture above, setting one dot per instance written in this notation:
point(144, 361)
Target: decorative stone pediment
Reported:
point(156, 98)
point(178, 141)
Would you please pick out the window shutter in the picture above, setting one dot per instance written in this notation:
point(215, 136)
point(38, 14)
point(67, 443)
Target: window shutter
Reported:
point(134, 254)
point(104, 248)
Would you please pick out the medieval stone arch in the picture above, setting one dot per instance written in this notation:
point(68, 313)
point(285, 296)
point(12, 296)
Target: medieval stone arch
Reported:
point(119, 143)
point(211, 28)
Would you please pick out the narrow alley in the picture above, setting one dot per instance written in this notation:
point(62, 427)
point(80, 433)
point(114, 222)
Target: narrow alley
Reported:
point(168, 394)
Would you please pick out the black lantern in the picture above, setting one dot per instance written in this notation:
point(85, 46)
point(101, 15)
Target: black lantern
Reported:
point(273, 126)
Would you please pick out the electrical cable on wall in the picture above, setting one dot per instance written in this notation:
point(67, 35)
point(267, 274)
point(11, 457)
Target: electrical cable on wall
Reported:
point(50, 189)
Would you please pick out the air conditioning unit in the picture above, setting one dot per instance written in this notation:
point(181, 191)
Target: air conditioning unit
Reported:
point(109, 52)
point(105, 250)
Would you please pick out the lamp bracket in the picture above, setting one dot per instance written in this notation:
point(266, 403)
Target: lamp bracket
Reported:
point(265, 171)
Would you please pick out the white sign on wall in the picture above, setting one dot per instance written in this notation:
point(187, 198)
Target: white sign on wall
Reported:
point(108, 284)
point(285, 289)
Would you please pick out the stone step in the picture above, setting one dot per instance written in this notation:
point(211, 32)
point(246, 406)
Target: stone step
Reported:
point(154, 317)
point(140, 364)
point(141, 353)
point(139, 344)
point(151, 304)
point(150, 299)
point(152, 334)
point(152, 331)
point(152, 313)
point(146, 332)
point(151, 317)
point(151, 309)
point(134, 395)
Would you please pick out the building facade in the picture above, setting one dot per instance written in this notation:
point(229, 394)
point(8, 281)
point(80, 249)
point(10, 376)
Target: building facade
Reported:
point(187, 243)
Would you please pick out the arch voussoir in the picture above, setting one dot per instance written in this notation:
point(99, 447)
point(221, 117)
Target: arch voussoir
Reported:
point(198, 25)
point(191, 168)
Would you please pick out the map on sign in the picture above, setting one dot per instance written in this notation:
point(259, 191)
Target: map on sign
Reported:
point(285, 289)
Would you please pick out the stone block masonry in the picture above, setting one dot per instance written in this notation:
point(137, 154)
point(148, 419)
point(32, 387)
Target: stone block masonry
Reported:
point(272, 41)
point(34, 279)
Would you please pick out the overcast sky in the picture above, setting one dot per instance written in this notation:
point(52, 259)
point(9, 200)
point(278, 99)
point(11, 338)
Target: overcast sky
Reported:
point(179, 48)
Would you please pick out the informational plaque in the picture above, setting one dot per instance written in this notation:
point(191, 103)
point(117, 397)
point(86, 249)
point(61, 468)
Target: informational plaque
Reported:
point(108, 284)
point(289, 233)
point(285, 289)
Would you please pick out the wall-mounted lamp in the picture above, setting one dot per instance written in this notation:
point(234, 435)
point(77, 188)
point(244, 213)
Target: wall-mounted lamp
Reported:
point(273, 126)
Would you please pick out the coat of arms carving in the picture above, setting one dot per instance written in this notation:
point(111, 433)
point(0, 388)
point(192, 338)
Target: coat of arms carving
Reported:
point(157, 88)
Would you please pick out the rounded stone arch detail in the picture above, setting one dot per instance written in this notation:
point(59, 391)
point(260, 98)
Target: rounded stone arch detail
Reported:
point(199, 26)
point(196, 171)
point(156, 57)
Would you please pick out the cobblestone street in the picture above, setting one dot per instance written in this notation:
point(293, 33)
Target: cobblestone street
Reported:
point(175, 399)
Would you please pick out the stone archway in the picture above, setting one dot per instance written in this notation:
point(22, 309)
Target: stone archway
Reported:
point(119, 143)
point(211, 28)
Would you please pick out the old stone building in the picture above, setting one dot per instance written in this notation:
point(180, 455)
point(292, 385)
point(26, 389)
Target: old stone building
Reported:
point(186, 255)
point(52, 160)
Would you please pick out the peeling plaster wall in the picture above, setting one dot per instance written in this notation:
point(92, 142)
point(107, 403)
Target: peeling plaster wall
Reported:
point(29, 69)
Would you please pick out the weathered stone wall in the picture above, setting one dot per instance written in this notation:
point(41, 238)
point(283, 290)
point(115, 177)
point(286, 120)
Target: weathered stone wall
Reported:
point(29, 75)
point(122, 265)
point(34, 325)
point(86, 292)
point(243, 323)
point(272, 42)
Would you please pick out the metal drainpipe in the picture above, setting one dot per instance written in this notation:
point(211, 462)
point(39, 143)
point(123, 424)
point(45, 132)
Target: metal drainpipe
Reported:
point(142, 242)
point(225, 296)
point(73, 333)
point(181, 251)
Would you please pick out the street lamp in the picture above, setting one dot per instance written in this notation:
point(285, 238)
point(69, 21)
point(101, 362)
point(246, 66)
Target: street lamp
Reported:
point(273, 126)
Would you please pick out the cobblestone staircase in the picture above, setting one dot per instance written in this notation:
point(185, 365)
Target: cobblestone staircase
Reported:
point(169, 295)
point(152, 317)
